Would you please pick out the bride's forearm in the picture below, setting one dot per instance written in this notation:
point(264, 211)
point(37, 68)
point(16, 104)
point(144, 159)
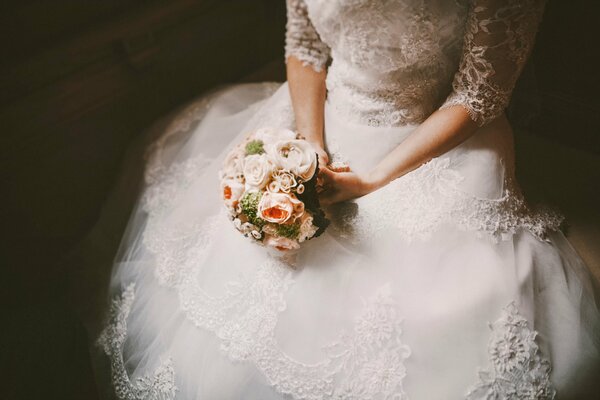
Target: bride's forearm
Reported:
point(307, 91)
point(441, 132)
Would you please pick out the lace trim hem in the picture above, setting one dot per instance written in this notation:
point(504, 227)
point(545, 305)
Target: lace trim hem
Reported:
point(159, 386)
point(420, 203)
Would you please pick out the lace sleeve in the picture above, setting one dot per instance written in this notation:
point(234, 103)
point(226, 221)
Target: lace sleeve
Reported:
point(499, 36)
point(301, 39)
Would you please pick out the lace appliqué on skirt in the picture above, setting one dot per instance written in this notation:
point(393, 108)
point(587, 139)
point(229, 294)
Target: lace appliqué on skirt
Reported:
point(517, 369)
point(366, 363)
point(371, 358)
point(422, 201)
point(363, 364)
point(159, 386)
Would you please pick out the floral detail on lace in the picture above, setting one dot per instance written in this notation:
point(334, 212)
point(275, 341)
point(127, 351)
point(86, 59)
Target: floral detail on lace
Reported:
point(245, 311)
point(517, 370)
point(422, 201)
point(370, 360)
point(302, 40)
point(159, 386)
point(498, 40)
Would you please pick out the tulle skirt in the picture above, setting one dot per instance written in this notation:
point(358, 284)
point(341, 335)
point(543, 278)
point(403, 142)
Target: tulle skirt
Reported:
point(444, 284)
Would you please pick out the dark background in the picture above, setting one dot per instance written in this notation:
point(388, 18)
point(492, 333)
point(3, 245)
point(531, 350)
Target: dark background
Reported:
point(79, 80)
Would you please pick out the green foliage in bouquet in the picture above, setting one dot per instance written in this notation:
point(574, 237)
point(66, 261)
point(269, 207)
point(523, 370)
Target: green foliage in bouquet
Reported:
point(310, 198)
point(255, 147)
point(249, 205)
point(290, 231)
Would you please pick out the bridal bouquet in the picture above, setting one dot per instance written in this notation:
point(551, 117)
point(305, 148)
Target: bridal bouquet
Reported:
point(268, 184)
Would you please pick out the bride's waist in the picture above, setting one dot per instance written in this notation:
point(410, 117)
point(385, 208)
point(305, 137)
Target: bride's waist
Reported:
point(362, 145)
point(382, 107)
point(383, 99)
point(373, 110)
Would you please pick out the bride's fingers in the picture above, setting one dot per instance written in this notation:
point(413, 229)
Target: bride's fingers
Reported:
point(322, 155)
point(327, 175)
point(322, 162)
point(323, 158)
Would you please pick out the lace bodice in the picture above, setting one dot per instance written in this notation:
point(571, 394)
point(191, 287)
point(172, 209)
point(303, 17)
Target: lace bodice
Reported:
point(394, 62)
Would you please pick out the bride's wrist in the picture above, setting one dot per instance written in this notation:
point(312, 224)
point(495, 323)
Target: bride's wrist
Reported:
point(316, 141)
point(312, 136)
point(373, 180)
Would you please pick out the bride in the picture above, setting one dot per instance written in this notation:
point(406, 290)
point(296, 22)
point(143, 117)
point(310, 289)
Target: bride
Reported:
point(435, 281)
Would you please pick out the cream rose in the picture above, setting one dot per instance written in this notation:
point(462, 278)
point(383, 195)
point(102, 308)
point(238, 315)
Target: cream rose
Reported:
point(279, 208)
point(280, 243)
point(257, 171)
point(271, 135)
point(296, 156)
point(232, 165)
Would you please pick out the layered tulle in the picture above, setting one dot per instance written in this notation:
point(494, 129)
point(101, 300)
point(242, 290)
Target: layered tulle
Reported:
point(443, 285)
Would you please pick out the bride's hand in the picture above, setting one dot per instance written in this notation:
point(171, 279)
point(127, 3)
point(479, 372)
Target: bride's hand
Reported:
point(321, 154)
point(342, 186)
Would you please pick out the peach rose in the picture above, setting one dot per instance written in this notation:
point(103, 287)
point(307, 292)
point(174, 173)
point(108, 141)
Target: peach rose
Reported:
point(279, 208)
point(232, 190)
point(280, 243)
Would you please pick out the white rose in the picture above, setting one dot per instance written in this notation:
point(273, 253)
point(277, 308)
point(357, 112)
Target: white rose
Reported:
point(296, 156)
point(233, 191)
point(279, 208)
point(232, 165)
point(272, 135)
point(257, 171)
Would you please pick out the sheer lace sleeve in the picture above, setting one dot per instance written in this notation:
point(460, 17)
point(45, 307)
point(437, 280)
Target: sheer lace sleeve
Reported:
point(499, 36)
point(302, 40)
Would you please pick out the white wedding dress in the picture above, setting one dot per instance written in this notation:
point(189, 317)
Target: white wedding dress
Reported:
point(444, 284)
